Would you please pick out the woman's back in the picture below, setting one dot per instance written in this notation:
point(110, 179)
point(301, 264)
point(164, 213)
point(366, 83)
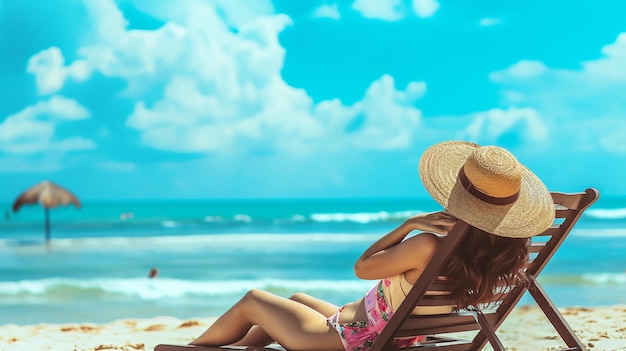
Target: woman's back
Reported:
point(398, 289)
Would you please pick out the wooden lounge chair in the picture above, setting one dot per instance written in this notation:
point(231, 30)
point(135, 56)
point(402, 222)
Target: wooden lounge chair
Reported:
point(429, 290)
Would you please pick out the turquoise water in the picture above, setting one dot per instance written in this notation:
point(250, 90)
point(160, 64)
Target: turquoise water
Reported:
point(209, 253)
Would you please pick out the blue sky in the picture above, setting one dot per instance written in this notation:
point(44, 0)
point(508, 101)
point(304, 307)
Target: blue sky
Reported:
point(155, 99)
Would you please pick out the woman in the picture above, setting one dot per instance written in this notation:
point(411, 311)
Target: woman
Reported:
point(486, 187)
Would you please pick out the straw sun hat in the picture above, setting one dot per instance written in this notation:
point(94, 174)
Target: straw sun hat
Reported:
point(486, 187)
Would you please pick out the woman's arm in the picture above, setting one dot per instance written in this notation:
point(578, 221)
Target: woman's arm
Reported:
point(389, 255)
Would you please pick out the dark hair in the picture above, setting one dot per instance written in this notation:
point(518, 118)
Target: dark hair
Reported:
point(481, 263)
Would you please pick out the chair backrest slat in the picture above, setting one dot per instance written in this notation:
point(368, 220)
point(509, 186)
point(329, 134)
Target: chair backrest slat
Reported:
point(439, 324)
point(536, 247)
point(555, 229)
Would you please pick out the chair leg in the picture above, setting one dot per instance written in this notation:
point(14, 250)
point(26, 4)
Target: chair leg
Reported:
point(554, 316)
point(488, 331)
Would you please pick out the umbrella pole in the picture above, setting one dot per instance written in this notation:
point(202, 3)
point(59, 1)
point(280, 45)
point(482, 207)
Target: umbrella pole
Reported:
point(47, 225)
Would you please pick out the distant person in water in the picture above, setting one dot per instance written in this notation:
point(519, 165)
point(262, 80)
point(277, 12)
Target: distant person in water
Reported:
point(154, 272)
point(486, 187)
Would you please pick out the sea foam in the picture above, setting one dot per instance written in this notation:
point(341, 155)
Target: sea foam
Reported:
point(602, 213)
point(154, 289)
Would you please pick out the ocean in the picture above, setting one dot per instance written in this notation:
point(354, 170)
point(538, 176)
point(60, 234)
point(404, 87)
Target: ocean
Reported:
point(209, 253)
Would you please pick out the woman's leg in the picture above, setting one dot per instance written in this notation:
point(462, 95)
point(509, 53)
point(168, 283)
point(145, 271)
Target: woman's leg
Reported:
point(321, 306)
point(292, 324)
point(258, 337)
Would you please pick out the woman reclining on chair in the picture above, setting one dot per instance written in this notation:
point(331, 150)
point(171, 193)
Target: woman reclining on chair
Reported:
point(486, 187)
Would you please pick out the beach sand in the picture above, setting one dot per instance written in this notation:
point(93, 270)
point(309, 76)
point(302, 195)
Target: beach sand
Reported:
point(600, 328)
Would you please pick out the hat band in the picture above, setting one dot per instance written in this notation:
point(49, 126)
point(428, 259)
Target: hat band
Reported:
point(467, 185)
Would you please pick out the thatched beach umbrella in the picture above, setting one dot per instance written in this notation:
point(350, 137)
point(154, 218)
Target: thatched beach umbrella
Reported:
point(48, 195)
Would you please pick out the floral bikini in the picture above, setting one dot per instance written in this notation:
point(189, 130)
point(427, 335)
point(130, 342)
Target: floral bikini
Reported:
point(360, 335)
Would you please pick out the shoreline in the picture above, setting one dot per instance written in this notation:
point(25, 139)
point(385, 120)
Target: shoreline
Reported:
point(600, 328)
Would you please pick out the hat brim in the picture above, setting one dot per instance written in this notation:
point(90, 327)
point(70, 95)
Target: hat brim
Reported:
point(531, 214)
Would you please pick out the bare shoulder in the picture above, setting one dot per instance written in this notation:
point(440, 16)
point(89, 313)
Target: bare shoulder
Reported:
point(424, 247)
point(425, 243)
point(426, 239)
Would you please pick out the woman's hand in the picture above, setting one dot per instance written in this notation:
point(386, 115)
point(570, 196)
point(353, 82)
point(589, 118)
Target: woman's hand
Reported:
point(390, 255)
point(435, 222)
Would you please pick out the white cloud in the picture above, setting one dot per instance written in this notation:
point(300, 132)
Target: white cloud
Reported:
point(425, 8)
point(388, 10)
point(50, 71)
point(61, 108)
point(223, 92)
point(603, 72)
point(395, 10)
point(520, 70)
point(18, 163)
point(584, 108)
point(596, 81)
point(199, 43)
point(488, 21)
point(614, 138)
point(385, 119)
point(54, 108)
point(611, 68)
point(327, 11)
point(286, 120)
point(507, 126)
point(33, 129)
point(240, 12)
